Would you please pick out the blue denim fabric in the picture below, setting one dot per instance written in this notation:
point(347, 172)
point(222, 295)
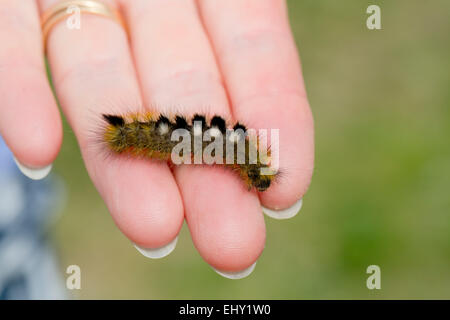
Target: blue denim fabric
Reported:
point(28, 268)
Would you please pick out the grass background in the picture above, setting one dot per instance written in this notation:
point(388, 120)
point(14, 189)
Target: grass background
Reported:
point(380, 192)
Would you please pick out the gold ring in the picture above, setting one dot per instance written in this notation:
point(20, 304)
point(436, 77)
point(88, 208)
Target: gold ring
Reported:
point(59, 11)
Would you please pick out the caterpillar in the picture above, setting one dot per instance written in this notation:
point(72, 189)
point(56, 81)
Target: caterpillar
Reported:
point(152, 136)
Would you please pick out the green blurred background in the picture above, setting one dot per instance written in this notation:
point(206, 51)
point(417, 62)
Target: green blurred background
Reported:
point(380, 192)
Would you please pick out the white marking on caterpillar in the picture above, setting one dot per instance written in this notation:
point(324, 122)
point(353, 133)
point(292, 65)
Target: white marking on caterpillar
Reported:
point(163, 129)
point(198, 129)
point(215, 132)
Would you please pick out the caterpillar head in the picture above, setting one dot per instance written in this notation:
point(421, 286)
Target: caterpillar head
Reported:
point(260, 181)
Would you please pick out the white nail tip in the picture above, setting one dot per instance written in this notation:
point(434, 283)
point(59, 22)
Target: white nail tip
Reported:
point(158, 253)
point(34, 173)
point(237, 275)
point(286, 213)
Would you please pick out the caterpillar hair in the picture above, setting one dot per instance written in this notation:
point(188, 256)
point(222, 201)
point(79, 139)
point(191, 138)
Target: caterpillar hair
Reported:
point(149, 136)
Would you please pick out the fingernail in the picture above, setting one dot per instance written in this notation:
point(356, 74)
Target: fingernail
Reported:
point(160, 252)
point(33, 173)
point(286, 213)
point(237, 275)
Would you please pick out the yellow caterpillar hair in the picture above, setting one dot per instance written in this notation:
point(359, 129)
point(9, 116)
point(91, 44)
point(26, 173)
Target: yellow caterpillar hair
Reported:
point(150, 136)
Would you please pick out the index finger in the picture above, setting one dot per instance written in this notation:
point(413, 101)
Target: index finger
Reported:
point(260, 64)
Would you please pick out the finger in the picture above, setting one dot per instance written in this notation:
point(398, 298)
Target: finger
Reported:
point(224, 218)
point(29, 121)
point(258, 59)
point(178, 73)
point(94, 74)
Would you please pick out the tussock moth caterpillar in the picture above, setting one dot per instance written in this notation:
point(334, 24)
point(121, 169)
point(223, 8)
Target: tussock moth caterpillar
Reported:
point(158, 137)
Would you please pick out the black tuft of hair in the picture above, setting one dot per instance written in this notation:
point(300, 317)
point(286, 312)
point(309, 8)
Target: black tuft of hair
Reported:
point(115, 121)
point(180, 122)
point(199, 118)
point(263, 185)
point(162, 120)
point(219, 123)
point(238, 126)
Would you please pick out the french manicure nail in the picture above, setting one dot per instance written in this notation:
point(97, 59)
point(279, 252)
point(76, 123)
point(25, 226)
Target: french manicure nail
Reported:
point(33, 173)
point(286, 213)
point(158, 253)
point(238, 274)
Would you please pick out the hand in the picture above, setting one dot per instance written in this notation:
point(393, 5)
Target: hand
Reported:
point(234, 58)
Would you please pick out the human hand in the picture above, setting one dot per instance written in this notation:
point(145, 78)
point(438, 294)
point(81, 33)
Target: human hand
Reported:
point(233, 58)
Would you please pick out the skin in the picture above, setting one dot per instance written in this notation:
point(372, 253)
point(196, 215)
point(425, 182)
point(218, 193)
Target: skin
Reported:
point(234, 58)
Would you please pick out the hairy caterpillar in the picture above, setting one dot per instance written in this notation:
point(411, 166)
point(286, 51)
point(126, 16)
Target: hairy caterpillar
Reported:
point(151, 136)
